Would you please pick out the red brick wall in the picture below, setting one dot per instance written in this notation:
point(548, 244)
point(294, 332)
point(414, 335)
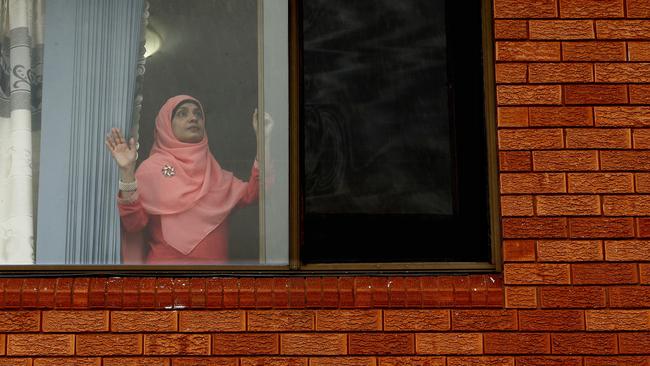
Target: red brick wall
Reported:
point(573, 94)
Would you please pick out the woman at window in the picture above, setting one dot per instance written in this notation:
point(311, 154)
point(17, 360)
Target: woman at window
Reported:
point(179, 198)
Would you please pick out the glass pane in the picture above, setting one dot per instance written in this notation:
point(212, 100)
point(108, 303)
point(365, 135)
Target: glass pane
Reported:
point(204, 182)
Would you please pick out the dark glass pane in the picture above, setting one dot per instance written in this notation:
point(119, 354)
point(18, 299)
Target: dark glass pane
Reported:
point(392, 132)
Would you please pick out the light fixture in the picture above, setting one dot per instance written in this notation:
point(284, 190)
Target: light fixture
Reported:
point(152, 41)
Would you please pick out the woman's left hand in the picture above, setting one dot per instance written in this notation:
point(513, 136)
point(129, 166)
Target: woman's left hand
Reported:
point(268, 123)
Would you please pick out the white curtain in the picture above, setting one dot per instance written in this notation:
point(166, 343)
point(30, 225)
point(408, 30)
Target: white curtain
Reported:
point(20, 83)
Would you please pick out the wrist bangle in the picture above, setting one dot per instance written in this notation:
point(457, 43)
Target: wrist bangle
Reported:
point(128, 187)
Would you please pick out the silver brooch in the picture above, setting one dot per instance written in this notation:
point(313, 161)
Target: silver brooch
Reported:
point(168, 171)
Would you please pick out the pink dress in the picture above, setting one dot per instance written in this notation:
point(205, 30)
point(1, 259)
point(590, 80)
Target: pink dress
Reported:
point(213, 249)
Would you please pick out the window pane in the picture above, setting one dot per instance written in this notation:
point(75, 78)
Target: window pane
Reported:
point(200, 197)
point(384, 165)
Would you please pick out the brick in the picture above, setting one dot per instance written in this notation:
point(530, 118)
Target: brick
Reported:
point(20, 321)
point(212, 321)
point(481, 361)
point(342, 361)
point(598, 138)
point(617, 320)
point(561, 29)
point(622, 73)
point(601, 227)
point(214, 361)
point(521, 297)
point(313, 344)
point(281, 320)
point(565, 160)
point(536, 274)
point(517, 206)
point(15, 361)
point(75, 321)
point(643, 227)
point(604, 273)
point(144, 321)
point(591, 9)
point(136, 361)
point(348, 320)
point(625, 160)
point(512, 183)
point(642, 182)
point(583, 343)
point(641, 138)
point(519, 250)
point(535, 94)
point(507, 73)
point(626, 205)
point(529, 9)
point(481, 320)
point(638, 9)
point(572, 297)
point(569, 250)
point(551, 320)
point(40, 344)
point(381, 344)
point(449, 343)
point(174, 344)
point(623, 29)
point(622, 116)
point(629, 296)
point(616, 361)
point(512, 116)
point(412, 361)
point(527, 139)
point(109, 344)
point(273, 361)
point(515, 161)
point(627, 250)
point(594, 51)
point(561, 116)
point(533, 227)
point(245, 344)
point(639, 93)
point(416, 320)
point(549, 361)
point(66, 361)
point(634, 343)
point(595, 94)
point(638, 51)
point(510, 29)
point(600, 182)
point(516, 343)
point(527, 51)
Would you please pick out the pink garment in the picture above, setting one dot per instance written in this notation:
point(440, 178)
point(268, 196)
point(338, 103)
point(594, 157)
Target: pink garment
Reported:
point(137, 223)
point(183, 199)
point(197, 197)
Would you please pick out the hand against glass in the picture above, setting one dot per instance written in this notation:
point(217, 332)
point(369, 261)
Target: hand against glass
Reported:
point(268, 123)
point(125, 154)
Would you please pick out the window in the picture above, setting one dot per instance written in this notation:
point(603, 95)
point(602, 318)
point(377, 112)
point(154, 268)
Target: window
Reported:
point(394, 155)
point(377, 156)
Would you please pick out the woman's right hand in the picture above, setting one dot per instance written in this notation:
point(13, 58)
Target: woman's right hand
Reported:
point(125, 154)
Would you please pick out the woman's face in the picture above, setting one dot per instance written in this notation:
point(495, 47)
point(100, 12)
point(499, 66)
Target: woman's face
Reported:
point(188, 123)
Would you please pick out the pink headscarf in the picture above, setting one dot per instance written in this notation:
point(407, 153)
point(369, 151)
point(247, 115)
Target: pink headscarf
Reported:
point(198, 197)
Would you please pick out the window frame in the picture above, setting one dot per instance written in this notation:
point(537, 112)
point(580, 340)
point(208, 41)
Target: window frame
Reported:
point(295, 266)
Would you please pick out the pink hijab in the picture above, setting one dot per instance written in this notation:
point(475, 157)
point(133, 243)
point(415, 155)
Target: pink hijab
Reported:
point(199, 195)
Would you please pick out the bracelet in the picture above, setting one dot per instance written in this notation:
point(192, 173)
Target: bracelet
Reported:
point(128, 187)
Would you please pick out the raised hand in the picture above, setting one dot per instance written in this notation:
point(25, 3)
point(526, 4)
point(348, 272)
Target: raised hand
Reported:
point(125, 154)
point(268, 123)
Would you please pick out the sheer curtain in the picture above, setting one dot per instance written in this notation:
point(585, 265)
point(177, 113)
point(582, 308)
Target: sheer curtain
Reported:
point(20, 98)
